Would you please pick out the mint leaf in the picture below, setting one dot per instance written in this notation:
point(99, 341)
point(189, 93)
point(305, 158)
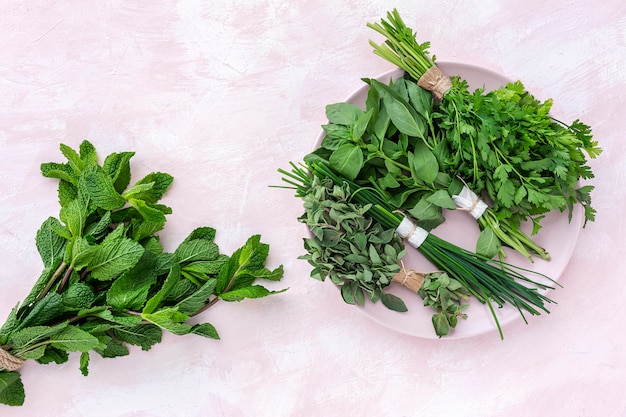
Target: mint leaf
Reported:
point(206, 330)
point(130, 291)
point(193, 303)
point(112, 347)
point(117, 167)
point(74, 215)
point(253, 291)
point(104, 313)
point(97, 230)
point(88, 153)
point(206, 268)
point(152, 187)
point(267, 274)
point(82, 253)
point(141, 335)
point(115, 256)
point(149, 213)
point(9, 325)
point(31, 335)
point(84, 363)
point(48, 308)
point(170, 282)
point(73, 339)
point(34, 354)
point(38, 287)
point(73, 159)
point(55, 355)
point(59, 171)
point(196, 250)
point(140, 228)
point(169, 319)
point(100, 188)
point(205, 233)
point(50, 245)
point(78, 296)
point(11, 389)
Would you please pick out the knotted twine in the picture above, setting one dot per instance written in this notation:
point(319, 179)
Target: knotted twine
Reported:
point(469, 201)
point(436, 82)
point(9, 362)
point(414, 234)
point(413, 280)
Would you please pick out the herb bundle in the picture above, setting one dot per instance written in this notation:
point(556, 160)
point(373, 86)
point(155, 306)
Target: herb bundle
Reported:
point(503, 143)
point(393, 145)
point(490, 282)
point(362, 257)
point(107, 282)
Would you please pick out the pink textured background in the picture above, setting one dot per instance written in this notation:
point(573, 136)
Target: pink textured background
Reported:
point(221, 94)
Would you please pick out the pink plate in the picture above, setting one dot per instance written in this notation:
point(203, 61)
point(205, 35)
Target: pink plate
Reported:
point(558, 236)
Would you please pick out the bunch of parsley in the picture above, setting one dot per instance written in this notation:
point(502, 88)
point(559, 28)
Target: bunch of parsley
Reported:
point(503, 143)
point(107, 282)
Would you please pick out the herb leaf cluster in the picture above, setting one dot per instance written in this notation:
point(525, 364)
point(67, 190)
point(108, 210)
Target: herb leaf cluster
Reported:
point(490, 282)
point(504, 142)
point(348, 247)
point(362, 257)
point(107, 282)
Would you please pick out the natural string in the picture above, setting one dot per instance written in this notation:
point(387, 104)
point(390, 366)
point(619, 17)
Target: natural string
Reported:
point(436, 82)
point(405, 275)
point(9, 362)
point(475, 201)
point(408, 236)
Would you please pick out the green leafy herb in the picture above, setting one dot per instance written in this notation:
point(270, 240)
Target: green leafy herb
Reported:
point(503, 143)
point(362, 257)
point(490, 282)
point(107, 282)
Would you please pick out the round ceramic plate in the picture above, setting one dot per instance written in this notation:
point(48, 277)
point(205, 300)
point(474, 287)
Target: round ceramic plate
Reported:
point(558, 236)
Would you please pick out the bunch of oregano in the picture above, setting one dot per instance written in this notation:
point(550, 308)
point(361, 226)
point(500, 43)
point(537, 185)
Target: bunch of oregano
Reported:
point(363, 256)
point(107, 282)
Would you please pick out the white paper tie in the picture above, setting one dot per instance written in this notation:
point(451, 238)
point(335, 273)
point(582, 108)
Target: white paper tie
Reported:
point(415, 235)
point(468, 200)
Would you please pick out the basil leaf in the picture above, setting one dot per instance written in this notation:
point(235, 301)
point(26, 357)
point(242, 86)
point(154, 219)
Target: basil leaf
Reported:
point(343, 113)
point(488, 243)
point(400, 112)
point(347, 160)
point(423, 164)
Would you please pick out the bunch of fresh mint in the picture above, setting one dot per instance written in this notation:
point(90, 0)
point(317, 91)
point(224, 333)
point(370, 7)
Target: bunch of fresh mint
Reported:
point(107, 282)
